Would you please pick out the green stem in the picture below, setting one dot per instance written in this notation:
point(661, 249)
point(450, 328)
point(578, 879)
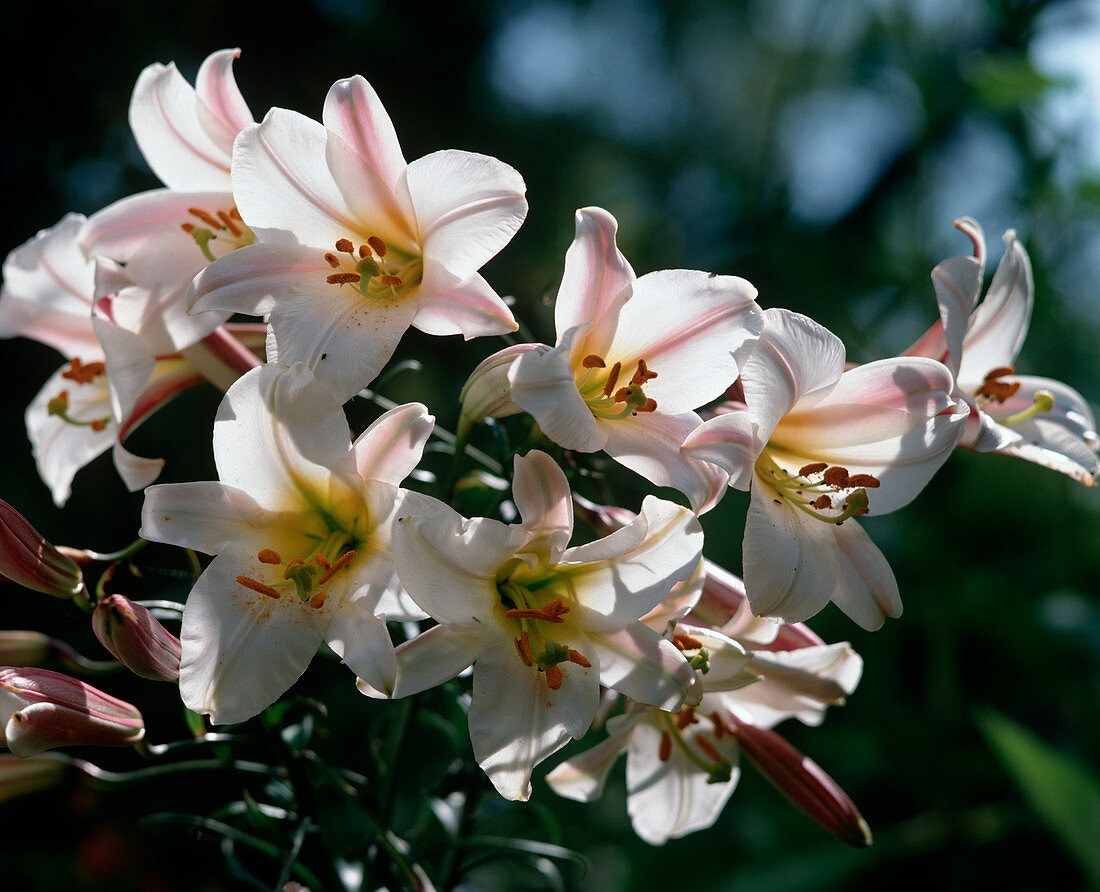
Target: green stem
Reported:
point(106, 779)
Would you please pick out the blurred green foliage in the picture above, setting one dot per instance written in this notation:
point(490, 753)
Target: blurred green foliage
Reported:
point(820, 149)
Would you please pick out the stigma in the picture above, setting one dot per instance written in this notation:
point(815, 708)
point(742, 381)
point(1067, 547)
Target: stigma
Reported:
point(600, 387)
point(829, 493)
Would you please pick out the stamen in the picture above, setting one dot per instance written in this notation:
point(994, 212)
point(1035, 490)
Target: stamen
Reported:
point(378, 245)
point(317, 601)
point(822, 502)
point(321, 561)
point(346, 558)
point(524, 613)
point(269, 556)
point(642, 374)
point(650, 406)
point(686, 642)
point(1000, 372)
point(592, 361)
point(577, 657)
point(621, 394)
point(363, 251)
point(206, 218)
point(837, 477)
point(344, 245)
point(553, 678)
point(707, 747)
point(342, 278)
point(257, 587)
point(523, 648)
point(81, 373)
point(812, 468)
point(391, 280)
point(612, 378)
point(665, 748)
point(998, 391)
point(719, 726)
point(868, 480)
point(187, 227)
point(97, 424)
point(229, 224)
point(685, 717)
point(332, 260)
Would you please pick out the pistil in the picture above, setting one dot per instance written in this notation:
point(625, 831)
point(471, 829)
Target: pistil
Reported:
point(817, 486)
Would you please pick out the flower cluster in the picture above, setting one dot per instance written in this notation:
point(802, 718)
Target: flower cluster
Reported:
point(323, 539)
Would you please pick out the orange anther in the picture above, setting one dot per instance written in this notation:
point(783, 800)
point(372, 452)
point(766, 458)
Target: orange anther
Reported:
point(1000, 372)
point(346, 558)
point(317, 601)
point(813, 468)
point(998, 391)
point(229, 224)
point(686, 642)
point(665, 748)
point(685, 717)
point(378, 245)
point(187, 227)
point(342, 278)
point(98, 424)
point(523, 648)
point(553, 678)
point(622, 394)
point(234, 213)
point(269, 556)
point(612, 378)
point(650, 406)
point(332, 260)
point(578, 658)
point(258, 587)
point(345, 245)
point(206, 218)
point(391, 280)
point(707, 747)
point(363, 251)
point(719, 726)
point(555, 607)
point(822, 502)
point(321, 561)
point(592, 361)
point(642, 374)
point(81, 373)
point(870, 481)
point(836, 476)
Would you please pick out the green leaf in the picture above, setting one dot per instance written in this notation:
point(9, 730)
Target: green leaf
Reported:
point(1063, 791)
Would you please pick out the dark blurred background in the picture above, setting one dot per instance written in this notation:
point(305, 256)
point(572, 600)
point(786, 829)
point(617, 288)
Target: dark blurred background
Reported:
point(819, 148)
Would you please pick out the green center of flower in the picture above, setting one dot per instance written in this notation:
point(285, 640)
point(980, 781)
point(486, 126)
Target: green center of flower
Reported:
point(826, 493)
point(607, 398)
point(222, 229)
point(305, 576)
point(80, 374)
point(374, 269)
point(534, 617)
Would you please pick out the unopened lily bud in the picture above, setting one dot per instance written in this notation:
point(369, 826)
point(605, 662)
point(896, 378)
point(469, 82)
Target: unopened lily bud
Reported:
point(29, 560)
point(20, 777)
point(487, 393)
point(40, 709)
point(24, 648)
point(136, 639)
point(803, 782)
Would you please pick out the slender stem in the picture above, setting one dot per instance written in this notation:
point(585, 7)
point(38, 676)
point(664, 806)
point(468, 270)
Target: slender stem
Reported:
point(120, 555)
point(76, 661)
point(120, 778)
point(292, 855)
point(153, 750)
point(395, 741)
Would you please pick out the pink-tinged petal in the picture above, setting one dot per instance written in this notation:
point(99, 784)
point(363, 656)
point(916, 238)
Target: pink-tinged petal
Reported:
point(122, 229)
point(545, 504)
point(206, 516)
point(795, 359)
point(669, 798)
point(639, 663)
point(868, 592)
point(135, 471)
point(242, 649)
point(354, 111)
point(543, 385)
point(250, 279)
point(691, 328)
point(287, 415)
point(291, 175)
point(392, 446)
point(1051, 446)
point(130, 364)
point(449, 564)
point(468, 207)
point(222, 110)
point(799, 683)
point(471, 308)
point(596, 283)
point(343, 338)
point(362, 641)
point(516, 720)
point(47, 291)
point(582, 777)
point(61, 449)
point(728, 441)
point(649, 444)
point(999, 325)
point(621, 577)
point(164, 116)
point(678, 602)
point(803, 782)
point(1069, 411)
point(430, 659)
point(221, 358)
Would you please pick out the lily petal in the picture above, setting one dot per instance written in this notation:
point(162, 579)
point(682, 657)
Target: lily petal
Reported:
point(354, 111)
point(222, 110)
point(640, 664)
point(206, 516)
point(392, 446)
point(545, 504)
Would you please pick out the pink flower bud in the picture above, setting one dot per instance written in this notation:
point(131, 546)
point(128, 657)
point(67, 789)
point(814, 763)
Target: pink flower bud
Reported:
point(135, 638)
point(20, 648)
point(487, 393)
point(40, 709)
point(29, 560)
point(20, 777)
point(803, 782)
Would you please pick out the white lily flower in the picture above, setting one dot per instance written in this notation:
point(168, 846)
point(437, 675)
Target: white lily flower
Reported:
point(112, 381)
point(158, 241)
point(816, 445)
point(634, 359)
point(300, 526)
point(354, 245)
point(543, 625)
point(1036, 419)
